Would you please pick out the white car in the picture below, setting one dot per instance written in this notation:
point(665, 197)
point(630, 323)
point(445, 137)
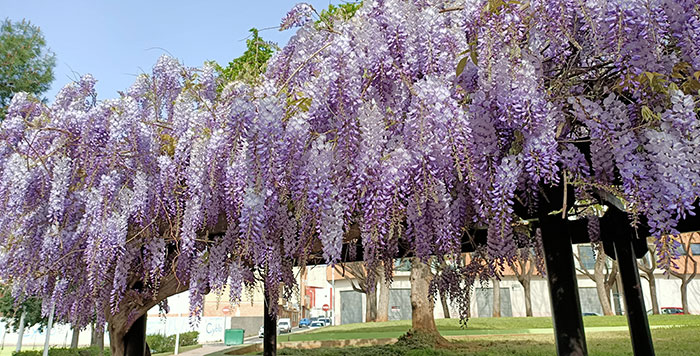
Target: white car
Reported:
point(261, 332)
point(284, 326)
point(317, 324)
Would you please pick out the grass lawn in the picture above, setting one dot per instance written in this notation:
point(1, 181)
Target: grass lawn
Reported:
point(673, 341)
point(679, 336)
point(478, 326)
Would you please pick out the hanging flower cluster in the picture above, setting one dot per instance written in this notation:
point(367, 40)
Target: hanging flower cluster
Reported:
point(411, 122)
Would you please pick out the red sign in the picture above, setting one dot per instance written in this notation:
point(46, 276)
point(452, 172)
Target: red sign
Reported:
point(326, 307)
point(226, 310)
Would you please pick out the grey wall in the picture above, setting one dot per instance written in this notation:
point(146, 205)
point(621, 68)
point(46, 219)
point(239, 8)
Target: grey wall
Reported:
point(399, 304)
point(350, 307)
point(251, 324)
point(484, 302)
point(589, 300)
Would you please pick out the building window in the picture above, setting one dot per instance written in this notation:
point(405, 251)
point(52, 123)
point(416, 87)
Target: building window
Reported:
point(402, 264)
point(695, 249)
point(585, 252)
point(680, 250)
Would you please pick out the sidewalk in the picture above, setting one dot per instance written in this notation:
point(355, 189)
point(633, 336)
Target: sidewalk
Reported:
point(206, 349)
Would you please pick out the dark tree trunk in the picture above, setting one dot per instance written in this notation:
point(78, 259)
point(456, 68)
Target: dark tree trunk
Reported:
point(270, 334)
point(422, 305)
point(445, 306)
point(496, 297)
point(75, 338)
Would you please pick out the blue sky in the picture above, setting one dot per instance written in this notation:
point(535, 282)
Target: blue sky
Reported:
point(117, 40)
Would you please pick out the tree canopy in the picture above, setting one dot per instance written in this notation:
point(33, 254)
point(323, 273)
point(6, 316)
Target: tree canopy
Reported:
point(410, 122)
point(26, 65)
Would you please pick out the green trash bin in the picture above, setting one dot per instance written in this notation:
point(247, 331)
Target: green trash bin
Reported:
point(233, 337)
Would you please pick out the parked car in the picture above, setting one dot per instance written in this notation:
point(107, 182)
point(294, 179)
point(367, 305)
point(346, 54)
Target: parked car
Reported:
point(326, 321)
point(261, 332)
point(304, 322)
point(590, 314)
point(671, 310)
point(317, 324)
point(284, 325)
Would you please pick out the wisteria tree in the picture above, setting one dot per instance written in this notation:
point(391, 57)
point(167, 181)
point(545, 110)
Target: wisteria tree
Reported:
point(413, 122)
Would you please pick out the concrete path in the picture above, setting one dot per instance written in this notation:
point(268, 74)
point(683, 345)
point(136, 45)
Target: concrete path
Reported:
point(206, 349)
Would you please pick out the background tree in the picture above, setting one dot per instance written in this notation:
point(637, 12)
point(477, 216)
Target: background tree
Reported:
point(366, 284)
point(647, 266)
point(11, 311)
point(604, 275)
point(252, 64)
point(689, 269)
point(528, 259)
point(26, 64)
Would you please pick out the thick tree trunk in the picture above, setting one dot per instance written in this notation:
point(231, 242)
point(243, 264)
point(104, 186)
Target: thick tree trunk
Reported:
point(496, 297)
point(371, 305)
point(445, 305)
point(422, 305)
point(127, 328)
point(97, 338)
point(383, 305)
point(528, 296)
point(75, 338)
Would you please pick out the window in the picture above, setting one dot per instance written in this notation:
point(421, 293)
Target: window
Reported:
point(585, 252)
point(695, 249)
point(680, 250)
point(402, 264)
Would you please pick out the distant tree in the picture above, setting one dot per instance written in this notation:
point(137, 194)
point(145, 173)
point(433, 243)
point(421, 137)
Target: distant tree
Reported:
point(648, 266)
point(249, 66)
point(26, 65)
point(603, 275)
point(362, 282)
point(688, 272)
point(12, 312)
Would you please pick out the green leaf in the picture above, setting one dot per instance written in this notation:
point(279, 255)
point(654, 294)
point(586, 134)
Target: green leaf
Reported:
point(460, 66)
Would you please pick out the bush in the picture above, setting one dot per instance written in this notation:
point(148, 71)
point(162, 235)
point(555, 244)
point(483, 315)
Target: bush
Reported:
point(189, 338)
point(60, 351)
point(159, 343)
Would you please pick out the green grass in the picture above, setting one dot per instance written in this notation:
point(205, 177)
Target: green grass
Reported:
point(678, 340)
point(476, 326)
point(182, 349)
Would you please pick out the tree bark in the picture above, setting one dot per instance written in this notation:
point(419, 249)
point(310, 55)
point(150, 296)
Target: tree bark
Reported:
point(528, 296)
point(131, 309)
point(371, 305)
point(445, 305)
point(603, 293)
point(649, 276)
point(75, 338)
point(496, 297)
point(684, 296)
point(383, 305)
point(97, 338)
point(422, 305)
